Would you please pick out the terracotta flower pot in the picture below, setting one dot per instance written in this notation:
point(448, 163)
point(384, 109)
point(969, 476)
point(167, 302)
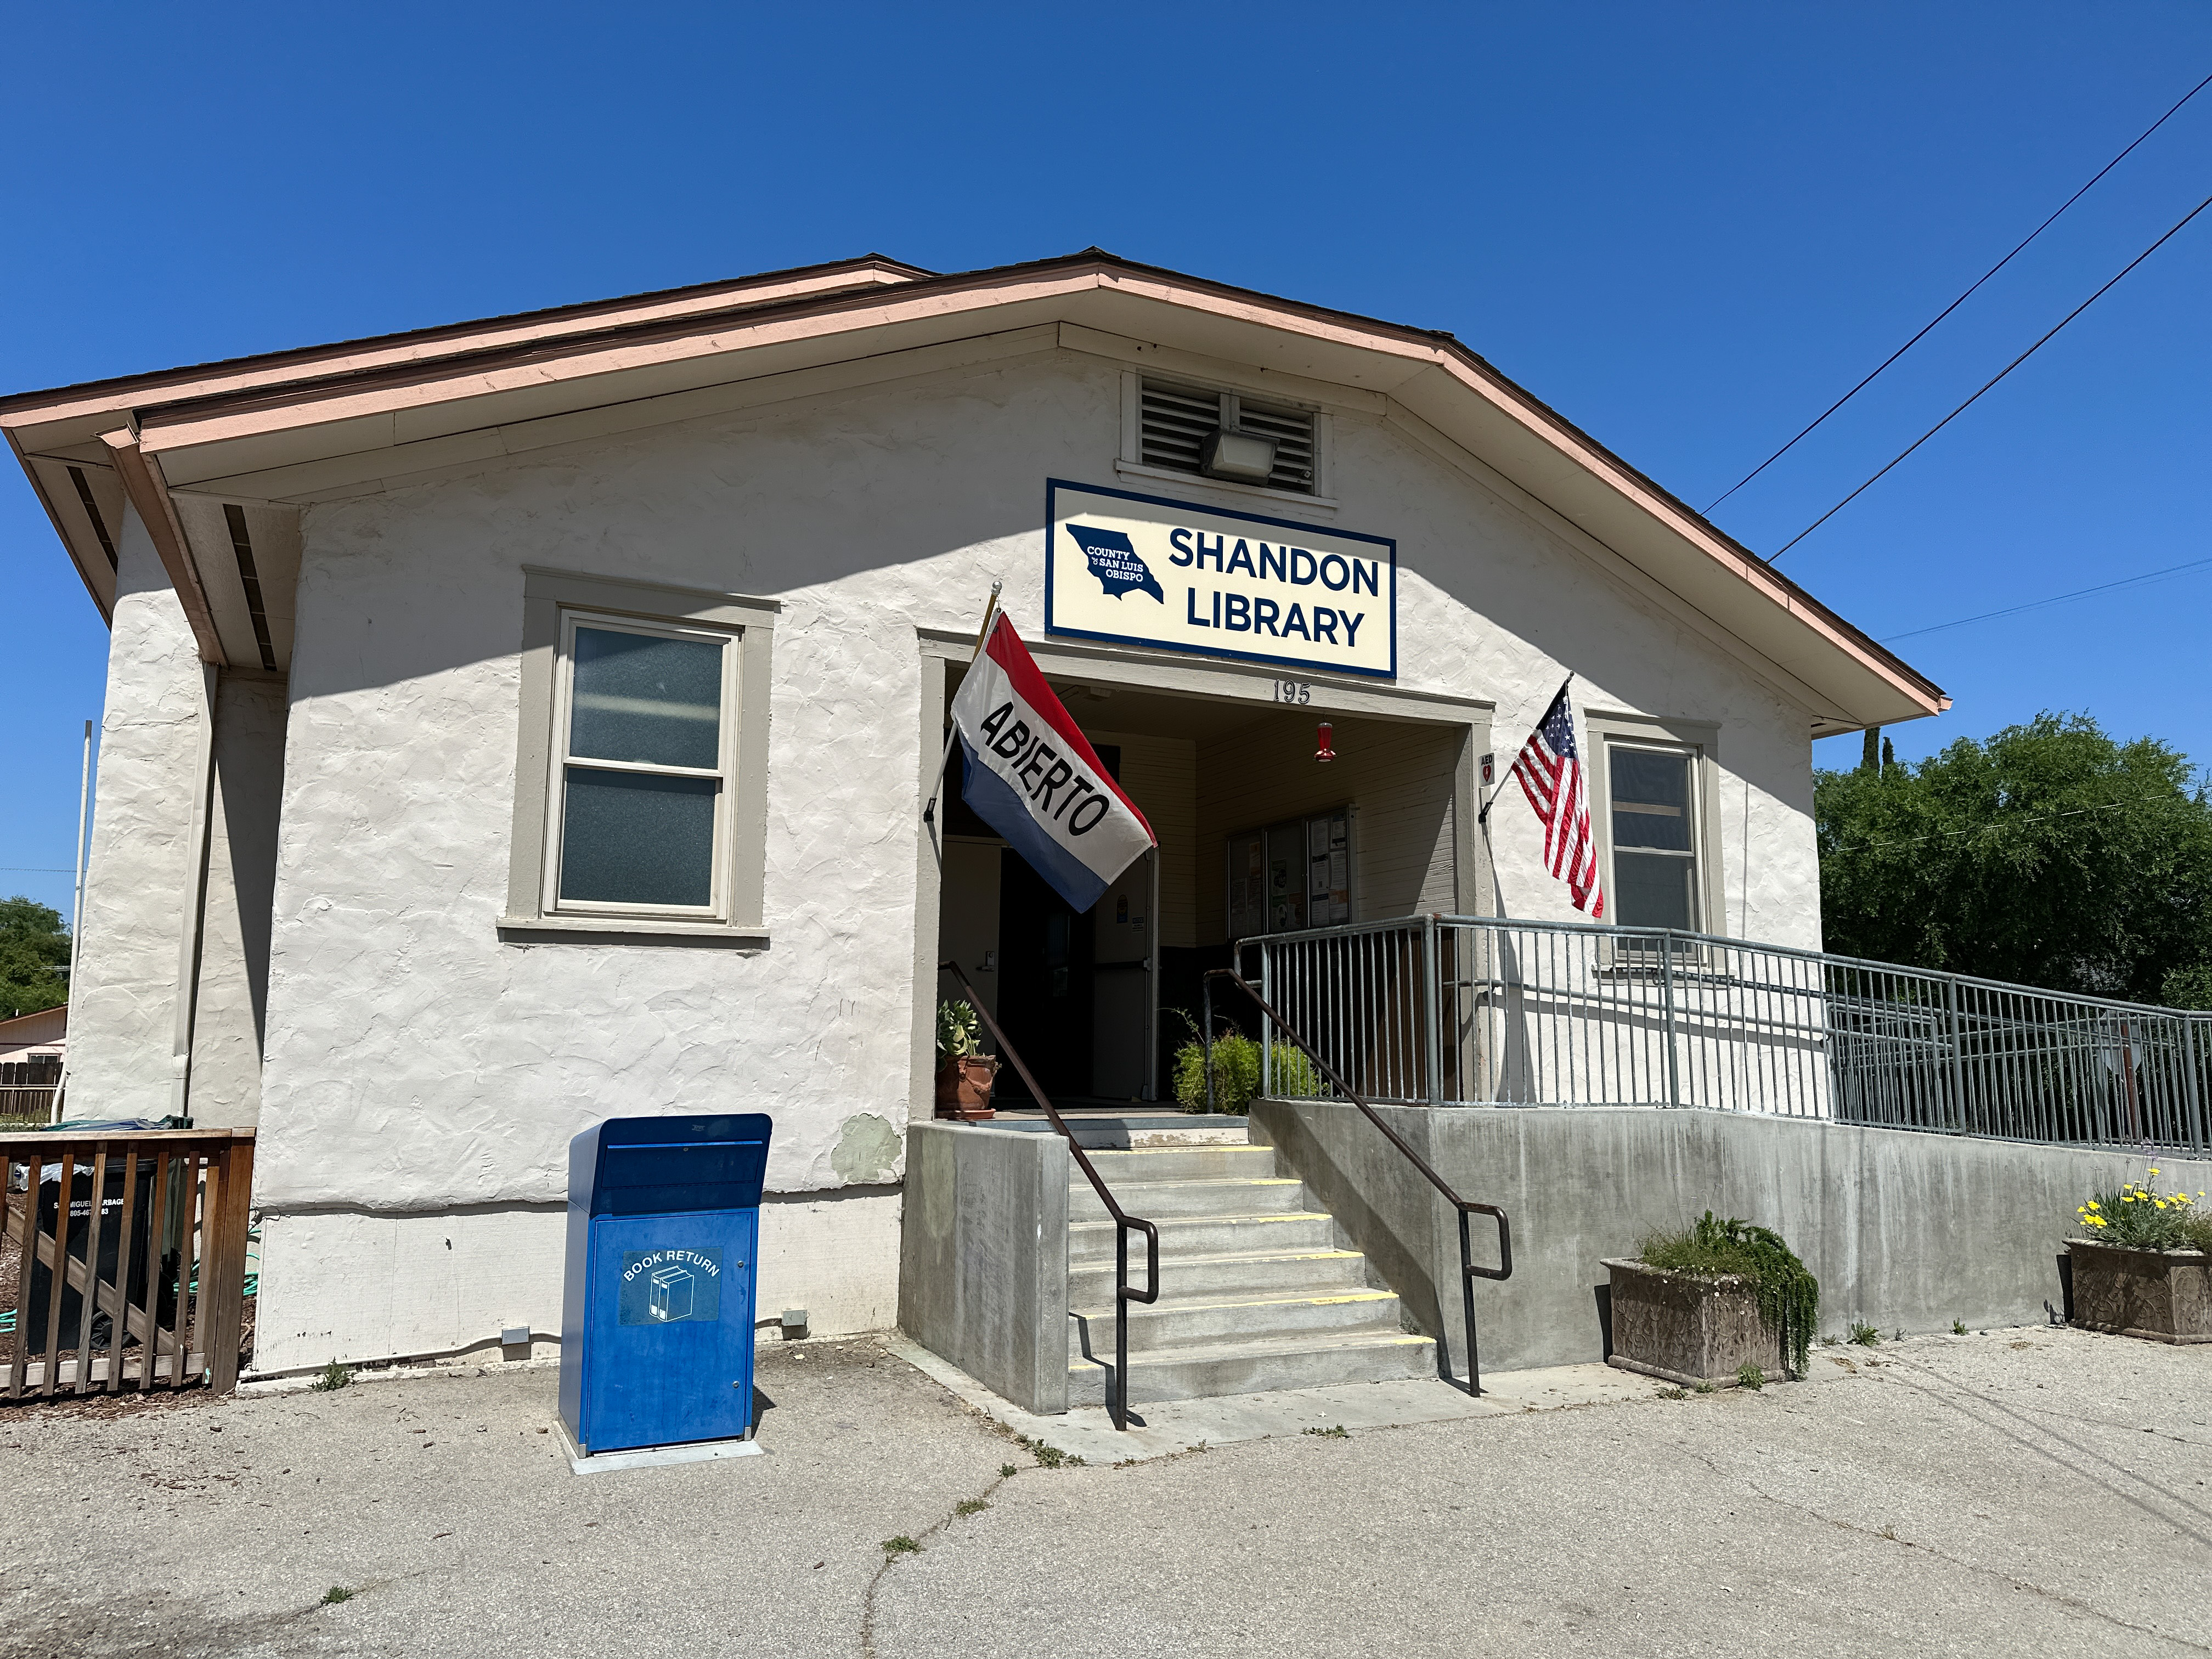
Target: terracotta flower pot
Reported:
point(2164, 1296)
point(1688, 1329)
point(964, 1088)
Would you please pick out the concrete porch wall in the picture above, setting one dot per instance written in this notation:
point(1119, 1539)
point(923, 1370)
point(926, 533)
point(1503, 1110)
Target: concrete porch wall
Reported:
point(983, 1257)
point(1904, 1231)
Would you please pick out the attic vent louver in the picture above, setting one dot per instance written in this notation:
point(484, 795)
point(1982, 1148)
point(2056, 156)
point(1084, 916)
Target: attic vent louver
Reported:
point(1177, 421)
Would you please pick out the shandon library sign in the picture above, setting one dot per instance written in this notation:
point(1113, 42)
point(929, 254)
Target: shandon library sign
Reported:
point(1144, 570)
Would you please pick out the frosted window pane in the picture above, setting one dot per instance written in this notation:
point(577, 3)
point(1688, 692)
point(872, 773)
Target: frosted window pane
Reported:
point(632, 838)
point(639, 697)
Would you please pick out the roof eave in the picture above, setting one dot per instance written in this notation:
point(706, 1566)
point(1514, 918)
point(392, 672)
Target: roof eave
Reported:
point(335, 387)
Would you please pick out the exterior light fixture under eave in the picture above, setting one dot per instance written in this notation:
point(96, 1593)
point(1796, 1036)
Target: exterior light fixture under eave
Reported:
point(1243, 455)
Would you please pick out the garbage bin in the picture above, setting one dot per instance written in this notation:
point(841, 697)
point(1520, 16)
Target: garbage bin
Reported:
point(657, 1309)
point(116, 1266)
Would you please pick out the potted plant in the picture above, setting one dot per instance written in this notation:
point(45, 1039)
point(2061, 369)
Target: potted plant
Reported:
point(2143, 1264)
point(965, 1073)
point(1719, 1303)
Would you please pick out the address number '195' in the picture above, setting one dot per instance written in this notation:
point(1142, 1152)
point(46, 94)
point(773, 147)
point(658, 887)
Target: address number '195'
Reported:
point(1294, 691)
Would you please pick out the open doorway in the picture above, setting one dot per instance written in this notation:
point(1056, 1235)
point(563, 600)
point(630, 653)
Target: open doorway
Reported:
point(1098, 1002)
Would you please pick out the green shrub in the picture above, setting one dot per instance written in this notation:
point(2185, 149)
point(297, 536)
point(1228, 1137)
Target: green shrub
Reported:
point(2139, 1216)
point(1236, 1074)
point(1789, 1296)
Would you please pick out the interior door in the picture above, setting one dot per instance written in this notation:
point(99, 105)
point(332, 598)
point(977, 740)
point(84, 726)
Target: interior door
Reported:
point(1045, 973)
point(1121, 984)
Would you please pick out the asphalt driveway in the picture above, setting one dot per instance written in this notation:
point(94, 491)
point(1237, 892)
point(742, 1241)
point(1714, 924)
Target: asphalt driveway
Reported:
point(2029, 1493)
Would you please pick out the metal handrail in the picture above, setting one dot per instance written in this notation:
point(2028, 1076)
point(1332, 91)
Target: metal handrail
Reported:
point(1469, 1272)
point(1117, 1407)
point(1463, 1010)
point(1685, 936)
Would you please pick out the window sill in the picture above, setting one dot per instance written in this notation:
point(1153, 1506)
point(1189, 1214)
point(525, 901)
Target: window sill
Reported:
point(1250, 492)
point(627, 930)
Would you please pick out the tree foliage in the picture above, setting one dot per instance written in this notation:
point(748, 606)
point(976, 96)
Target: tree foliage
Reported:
point(2049, 855)
point(34, 953)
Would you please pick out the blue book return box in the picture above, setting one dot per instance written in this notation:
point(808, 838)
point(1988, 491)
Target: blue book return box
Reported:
point(657, 1305)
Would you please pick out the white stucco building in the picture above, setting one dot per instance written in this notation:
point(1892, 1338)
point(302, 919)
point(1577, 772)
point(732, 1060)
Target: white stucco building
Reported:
point(519, 723)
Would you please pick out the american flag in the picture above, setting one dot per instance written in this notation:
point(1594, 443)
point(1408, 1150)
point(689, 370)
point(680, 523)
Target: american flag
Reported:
point(1550, 770)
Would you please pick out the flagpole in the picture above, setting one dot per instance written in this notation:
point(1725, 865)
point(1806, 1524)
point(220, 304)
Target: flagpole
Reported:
point(1499, 786)
point(952, 733)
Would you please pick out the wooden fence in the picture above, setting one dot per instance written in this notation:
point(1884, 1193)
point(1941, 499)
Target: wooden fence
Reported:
point(127, 1257)
point(26, 1086)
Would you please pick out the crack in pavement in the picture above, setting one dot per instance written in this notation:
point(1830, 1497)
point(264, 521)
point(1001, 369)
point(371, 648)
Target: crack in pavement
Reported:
point(956, 1512)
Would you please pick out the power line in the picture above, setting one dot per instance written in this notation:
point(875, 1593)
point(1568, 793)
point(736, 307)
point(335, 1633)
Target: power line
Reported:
point(2056, 599)
point(40, 869)
point(1961, 300)
point(1775, 558)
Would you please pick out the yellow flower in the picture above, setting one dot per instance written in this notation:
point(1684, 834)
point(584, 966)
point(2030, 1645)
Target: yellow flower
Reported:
point(2091, 1205)
point(2160, 1202)
point(2154, 1171)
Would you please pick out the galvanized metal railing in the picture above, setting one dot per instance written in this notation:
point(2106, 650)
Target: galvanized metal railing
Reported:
point(1475, 1010)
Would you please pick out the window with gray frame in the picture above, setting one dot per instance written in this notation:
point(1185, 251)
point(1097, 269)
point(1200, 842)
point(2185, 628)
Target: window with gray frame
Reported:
point(1652, 796)
point(641, 777)
point(644, 752)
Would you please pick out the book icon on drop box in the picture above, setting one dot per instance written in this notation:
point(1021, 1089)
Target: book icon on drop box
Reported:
point(671, 1296)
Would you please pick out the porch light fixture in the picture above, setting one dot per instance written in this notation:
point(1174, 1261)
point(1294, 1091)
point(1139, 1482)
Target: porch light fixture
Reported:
point(1243, 455)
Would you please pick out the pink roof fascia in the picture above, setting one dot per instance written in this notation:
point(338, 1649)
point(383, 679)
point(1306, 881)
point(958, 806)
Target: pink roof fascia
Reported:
point(163, 430)
point(231, 376)
point(308, 388)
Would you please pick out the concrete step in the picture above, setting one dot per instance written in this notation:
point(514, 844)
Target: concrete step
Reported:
point(1123, 1131)
point(1202, 1372)
point(1218, 1195)
point(1203, 1321)
point(1184, 1163)
point(1224, 1277)
point(1090, 1243)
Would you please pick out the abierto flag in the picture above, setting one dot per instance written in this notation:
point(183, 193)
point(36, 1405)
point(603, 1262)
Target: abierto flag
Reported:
point(1550, 771)
point(1032, 775)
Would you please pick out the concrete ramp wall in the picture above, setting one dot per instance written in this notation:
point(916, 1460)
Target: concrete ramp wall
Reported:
point(983, 1257)
point(1904, 1231)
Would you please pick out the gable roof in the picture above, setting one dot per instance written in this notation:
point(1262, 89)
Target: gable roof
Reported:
point(264, 434)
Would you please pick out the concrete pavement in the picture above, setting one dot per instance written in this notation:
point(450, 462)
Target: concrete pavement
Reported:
point(2032, 1492)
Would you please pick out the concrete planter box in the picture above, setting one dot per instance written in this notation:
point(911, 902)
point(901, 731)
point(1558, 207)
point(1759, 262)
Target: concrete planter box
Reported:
point(1689, 1330)
point(2165, 1296)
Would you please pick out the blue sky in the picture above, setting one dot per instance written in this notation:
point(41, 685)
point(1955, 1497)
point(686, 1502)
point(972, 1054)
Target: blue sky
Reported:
point(1688, 229)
